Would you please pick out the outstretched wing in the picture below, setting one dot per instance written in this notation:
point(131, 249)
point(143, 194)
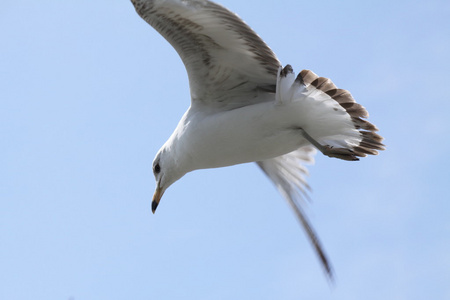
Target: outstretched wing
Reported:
point(224, 58)
point(288, 173)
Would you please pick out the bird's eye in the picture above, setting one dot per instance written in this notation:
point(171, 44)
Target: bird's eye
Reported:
point(157, 169)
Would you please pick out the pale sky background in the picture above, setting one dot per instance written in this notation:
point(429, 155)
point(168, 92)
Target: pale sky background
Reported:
point(88, 94)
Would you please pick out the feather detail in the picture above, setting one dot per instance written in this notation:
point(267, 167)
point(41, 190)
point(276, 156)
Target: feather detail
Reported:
point(288, 173)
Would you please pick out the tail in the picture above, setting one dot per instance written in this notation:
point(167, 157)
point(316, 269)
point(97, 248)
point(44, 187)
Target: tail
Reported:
point(331, 119)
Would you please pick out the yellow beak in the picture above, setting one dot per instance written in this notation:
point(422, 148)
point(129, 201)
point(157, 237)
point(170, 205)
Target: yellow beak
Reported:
point(156, 198)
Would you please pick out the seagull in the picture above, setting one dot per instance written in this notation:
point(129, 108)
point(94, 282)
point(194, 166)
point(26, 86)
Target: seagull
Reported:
point(246, 107)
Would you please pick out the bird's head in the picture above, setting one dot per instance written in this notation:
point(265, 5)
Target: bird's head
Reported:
point(166, 172)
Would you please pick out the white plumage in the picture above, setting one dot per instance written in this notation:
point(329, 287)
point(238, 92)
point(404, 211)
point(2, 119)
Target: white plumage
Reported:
point(246, 108)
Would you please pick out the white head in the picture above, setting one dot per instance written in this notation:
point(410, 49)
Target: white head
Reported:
point(167, 169)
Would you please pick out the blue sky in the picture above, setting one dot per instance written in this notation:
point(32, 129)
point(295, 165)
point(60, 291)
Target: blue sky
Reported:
point(89, 92)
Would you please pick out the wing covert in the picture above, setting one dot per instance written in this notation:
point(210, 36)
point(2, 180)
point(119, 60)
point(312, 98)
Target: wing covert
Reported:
point(224, 58)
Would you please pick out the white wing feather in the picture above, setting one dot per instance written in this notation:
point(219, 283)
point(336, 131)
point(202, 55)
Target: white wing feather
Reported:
point(224, 58)
point(288, 173)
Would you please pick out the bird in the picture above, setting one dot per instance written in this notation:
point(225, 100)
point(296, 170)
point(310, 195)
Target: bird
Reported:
point(247, 107)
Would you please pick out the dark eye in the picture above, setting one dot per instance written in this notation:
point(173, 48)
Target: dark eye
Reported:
point(157, 169)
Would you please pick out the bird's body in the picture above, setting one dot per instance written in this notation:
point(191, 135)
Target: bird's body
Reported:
point(210, 145)
point(246, 108)
point(253, 133)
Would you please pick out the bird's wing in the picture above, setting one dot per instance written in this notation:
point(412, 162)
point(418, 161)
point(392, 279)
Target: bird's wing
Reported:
point(225, 59)
point(288, 173)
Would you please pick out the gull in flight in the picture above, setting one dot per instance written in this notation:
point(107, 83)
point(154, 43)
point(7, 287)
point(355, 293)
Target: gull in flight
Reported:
point(245, 107)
